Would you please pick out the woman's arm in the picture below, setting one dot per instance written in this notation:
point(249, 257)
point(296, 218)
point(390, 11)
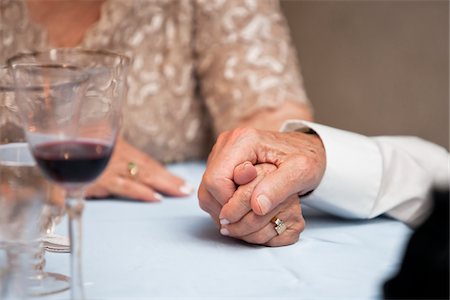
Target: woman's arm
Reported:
point(246, 65)
point(272, 119)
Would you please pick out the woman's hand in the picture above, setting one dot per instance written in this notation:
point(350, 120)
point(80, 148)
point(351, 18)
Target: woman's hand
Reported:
point(239, 221)
point(150, 178)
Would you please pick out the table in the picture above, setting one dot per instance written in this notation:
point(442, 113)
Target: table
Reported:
point(172, 250)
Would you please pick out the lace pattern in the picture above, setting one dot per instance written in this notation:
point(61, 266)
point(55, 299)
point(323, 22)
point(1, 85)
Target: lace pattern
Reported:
point(198, 66)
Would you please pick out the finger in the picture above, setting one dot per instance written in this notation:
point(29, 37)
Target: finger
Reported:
point(262, 236)
point(124, 187)
point(269, 236)
point(278, 186)
point(224, 157)
point(220, 188)
point(96, 191)
point(209, 204)
point(244, 173)
point(289, 237)
point(248, 224)
point(289, 211)
point(158, 178)
point(239, 204)
point(151, 172)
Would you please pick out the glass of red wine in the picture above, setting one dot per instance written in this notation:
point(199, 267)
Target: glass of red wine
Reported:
point(70, 104)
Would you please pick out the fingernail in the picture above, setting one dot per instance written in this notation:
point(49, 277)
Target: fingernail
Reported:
point(247, 164)
point(158, 196)
point(224, 222)
point(187, 189)
point(264, 203)
point(224, 231)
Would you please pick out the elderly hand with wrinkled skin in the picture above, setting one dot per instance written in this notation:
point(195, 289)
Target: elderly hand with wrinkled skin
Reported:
point(299, 161)
point(254, 228)
point(151, 179)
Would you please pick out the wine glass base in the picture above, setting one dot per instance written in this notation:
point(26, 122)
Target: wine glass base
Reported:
point(48, 283)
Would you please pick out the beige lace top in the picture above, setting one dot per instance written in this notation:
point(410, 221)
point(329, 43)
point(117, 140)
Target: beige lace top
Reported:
point(198, 66)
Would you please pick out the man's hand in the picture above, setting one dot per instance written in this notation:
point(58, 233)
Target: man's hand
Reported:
point(299, 159)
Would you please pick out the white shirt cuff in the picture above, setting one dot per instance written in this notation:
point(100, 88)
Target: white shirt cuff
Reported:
point(353, 173)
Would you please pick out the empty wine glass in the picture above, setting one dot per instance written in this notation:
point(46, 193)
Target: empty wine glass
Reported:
point(22, 195)
point(70, 102)
point(18, 171)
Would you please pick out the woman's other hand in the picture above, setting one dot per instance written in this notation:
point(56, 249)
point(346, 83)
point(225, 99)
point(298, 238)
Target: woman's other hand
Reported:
point(133, 174)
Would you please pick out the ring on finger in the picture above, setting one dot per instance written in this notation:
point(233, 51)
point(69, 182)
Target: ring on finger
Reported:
point(280, 226)
point(133, 169)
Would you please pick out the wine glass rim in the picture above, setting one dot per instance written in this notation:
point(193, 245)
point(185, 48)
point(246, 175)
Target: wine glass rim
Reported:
point(79, 76)
point(14, 62)
point(10, 60)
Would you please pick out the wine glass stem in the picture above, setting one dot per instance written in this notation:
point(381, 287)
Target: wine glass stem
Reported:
point(12, 280)
point(37, 259)
point(74, 206)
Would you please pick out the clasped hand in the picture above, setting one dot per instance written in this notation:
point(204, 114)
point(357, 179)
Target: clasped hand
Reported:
point(253, 176)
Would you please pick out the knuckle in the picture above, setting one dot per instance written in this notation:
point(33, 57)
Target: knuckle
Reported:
point(306, 163)
point(208, 181)
point(268, 168)
point(202, 193)
point(243, 196)
point(302, 161)
point(244, 132)
point(294, 174)
point(119, 182)
point(222, 136)
point(264, 169)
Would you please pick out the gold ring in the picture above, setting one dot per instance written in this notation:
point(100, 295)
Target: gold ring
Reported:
point(280, 227)
point(133, 169)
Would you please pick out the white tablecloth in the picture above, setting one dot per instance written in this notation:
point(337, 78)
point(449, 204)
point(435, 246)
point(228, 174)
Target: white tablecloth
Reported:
point(172, 249)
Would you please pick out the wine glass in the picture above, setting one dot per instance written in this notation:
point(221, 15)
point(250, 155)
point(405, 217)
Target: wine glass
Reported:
point(22, 195)
point(70, 102)
point(18, 171)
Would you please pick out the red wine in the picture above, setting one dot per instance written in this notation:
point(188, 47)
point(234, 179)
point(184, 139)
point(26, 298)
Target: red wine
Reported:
point(72, 161)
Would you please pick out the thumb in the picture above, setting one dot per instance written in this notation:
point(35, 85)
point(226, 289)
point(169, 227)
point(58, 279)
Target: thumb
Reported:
point(276, 187)
point(244, 173)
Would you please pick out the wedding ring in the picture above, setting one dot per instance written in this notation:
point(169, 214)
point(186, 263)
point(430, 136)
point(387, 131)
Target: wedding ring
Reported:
point(133, 169)
point(280, 227)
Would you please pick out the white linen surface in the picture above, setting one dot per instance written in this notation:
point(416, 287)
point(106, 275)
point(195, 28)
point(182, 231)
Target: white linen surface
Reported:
point(172, 250)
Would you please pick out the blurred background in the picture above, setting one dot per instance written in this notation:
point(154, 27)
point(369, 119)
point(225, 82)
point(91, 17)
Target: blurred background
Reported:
point(375, 67)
